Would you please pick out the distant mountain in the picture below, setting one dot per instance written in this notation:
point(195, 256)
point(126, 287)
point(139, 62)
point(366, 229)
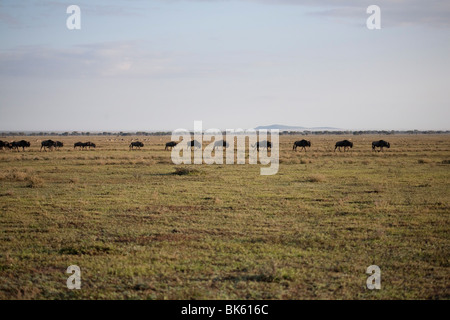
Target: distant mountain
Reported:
point(293, 128)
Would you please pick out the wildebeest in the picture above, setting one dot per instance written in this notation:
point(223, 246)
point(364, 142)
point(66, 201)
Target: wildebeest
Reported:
point(78, 144)
point(47, 144)
point(263, 144)
point(302, 143)
point(5, 145)
point(380, 144)
point(136, 144)
point(344, 143)
point(221, 144)
point(194, 143)
point(83, 145)
point(20, 144)
point(170, 145)
point(59, 144)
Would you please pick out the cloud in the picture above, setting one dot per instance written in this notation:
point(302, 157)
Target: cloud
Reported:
point(97, 60)
point(19, 15)
point(124, 59)
point(434, 13)
point(395, 13)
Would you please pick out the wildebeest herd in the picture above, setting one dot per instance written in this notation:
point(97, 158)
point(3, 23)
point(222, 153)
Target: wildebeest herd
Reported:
point(50, 145)
point(83, 145)
point(15, 145)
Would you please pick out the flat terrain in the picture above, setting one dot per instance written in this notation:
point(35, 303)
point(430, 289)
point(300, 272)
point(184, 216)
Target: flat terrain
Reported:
point(139, 231)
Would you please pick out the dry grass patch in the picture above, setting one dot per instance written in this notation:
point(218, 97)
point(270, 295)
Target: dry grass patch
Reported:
point(316, 178)
point(34, 181)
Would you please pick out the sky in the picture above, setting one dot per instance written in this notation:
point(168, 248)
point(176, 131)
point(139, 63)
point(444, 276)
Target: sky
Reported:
point(146, 65)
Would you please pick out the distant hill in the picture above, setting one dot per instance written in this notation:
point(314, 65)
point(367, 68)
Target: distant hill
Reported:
point(293, 128)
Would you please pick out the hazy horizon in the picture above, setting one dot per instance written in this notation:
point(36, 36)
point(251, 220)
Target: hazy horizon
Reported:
point(206, 128)
point(160, 65)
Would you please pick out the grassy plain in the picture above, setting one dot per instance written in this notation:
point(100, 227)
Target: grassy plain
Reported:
point(139, 231)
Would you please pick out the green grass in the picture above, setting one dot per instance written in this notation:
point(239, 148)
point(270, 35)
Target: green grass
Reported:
point(140, 227)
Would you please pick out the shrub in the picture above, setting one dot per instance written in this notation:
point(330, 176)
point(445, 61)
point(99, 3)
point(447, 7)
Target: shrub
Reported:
point(181, 171)
point(34, 182)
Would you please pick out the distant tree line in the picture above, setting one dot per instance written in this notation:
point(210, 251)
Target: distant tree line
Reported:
point(165, 133)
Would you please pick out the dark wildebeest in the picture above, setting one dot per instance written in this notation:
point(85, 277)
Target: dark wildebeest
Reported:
point(20, 144)
point(78, 144)
point(221, 144)
point(344, 143)
point(263, 144)
point(380, 144)
point(194, 143)
point(59, 144)
point(47, 144)
point(83, 145)
point(170, 145)
point(302, 143)
point(136, 144)
point(90, 144)
point(5, 145)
